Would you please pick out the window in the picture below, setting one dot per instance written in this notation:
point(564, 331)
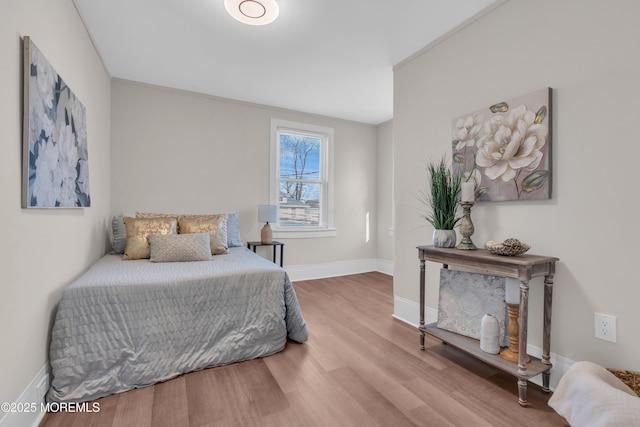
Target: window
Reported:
point(301, 179)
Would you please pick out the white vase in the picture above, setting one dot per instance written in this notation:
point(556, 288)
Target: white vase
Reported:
point(490, 334)
point(444, 238)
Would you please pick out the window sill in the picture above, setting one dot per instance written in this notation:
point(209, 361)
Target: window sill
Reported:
point(305, 234)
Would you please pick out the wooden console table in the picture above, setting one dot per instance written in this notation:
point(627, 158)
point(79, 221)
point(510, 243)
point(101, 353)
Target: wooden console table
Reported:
point(523, 267)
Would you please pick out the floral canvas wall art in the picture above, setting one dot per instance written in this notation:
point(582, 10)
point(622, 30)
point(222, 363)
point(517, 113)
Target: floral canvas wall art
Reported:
point(506, 147)
point(55, 159)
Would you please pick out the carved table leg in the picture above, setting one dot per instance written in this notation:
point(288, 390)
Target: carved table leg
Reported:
point(422, 262)
point(522, 391)
point(546, 337)
point(522, 344)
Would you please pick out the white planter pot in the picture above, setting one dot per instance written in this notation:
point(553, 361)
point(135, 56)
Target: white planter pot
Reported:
point(444, 238)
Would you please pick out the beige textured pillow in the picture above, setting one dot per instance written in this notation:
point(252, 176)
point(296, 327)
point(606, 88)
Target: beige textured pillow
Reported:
point(180, 247)
point(138, 230)
point(215, 225)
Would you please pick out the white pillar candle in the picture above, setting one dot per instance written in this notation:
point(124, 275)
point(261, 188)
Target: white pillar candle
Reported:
point(512, 290)
point(467, 191)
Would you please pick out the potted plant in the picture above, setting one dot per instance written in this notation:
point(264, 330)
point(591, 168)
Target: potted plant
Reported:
point(442, 197)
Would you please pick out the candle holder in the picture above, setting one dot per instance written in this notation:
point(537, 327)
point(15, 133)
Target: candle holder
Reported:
point(466, 227)
point(511, 353)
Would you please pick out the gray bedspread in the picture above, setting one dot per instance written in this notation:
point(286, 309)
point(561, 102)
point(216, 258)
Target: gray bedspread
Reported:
point(128, 324)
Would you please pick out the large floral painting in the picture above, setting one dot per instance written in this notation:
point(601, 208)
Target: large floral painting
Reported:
point(55, 160)
point(505, 148)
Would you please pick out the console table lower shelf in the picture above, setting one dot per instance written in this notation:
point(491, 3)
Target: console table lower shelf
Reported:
point(472, 346)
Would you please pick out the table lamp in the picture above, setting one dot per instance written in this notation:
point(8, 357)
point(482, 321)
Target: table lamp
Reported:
point(267, 214)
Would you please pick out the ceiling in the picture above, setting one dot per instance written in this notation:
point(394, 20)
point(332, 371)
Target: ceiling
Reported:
point(328, 57)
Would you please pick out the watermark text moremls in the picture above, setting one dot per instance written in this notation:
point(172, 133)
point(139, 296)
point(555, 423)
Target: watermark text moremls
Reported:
point(71, 407)
point(50, 407)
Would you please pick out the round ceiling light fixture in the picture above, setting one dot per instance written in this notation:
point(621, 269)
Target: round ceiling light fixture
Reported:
point(253, 12)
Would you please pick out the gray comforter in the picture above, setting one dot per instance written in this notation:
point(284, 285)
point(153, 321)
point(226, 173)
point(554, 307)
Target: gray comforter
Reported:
point(128, 324)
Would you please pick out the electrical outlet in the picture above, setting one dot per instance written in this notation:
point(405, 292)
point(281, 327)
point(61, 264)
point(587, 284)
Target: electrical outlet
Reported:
point(605, 327)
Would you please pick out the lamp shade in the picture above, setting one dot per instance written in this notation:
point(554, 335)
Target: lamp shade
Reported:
point(512, 290)
point(267, 213)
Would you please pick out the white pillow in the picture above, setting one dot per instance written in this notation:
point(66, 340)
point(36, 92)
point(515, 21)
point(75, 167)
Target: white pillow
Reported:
point(590, 396)
point(180, 247)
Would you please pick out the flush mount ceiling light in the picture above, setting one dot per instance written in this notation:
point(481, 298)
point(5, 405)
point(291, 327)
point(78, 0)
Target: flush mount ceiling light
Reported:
point(253, 12)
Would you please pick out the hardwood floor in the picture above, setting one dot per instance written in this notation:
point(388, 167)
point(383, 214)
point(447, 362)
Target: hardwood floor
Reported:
point(360, 367)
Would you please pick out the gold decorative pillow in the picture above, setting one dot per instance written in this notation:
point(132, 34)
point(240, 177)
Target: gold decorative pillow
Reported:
point(156, 215)
point(138, 230)
point(215, 225)
point(233, 227)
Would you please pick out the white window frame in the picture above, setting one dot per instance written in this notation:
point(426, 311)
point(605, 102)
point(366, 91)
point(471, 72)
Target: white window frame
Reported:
point(326, 227)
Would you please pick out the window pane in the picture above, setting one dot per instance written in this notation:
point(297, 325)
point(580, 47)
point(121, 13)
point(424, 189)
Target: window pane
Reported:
point(299, 204)
point(299, 156)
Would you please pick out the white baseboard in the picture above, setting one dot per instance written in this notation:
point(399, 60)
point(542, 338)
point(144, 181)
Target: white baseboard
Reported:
point(385, 266)
point(409, 312)
point(340, 268)
point(27, 408)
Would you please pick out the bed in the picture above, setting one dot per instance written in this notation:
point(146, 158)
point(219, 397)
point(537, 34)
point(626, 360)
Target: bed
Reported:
point(128, 324)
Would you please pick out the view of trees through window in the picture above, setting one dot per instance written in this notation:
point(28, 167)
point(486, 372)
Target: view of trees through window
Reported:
point(300, 179)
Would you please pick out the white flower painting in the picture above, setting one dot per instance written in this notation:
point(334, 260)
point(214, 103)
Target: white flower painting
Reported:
point(505, 148)
point(56, 173)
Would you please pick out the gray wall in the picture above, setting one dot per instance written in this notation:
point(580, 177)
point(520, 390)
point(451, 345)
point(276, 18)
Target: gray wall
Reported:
point(384, 171)
point(585, 51)
point(176, 151)
point(44, 249)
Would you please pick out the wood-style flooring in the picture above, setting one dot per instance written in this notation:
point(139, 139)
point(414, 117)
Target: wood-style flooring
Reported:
point(360, 367)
